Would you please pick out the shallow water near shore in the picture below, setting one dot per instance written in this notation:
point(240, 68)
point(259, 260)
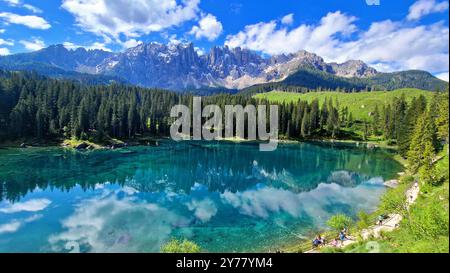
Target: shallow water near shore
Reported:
point(226, 197)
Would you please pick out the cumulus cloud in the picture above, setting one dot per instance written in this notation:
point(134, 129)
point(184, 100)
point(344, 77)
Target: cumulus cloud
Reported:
point(20, 4)
point(10, 227)
point(15, 224)
point(72, 46)
point(386, 45)
point(96, 45)
point(30, 21)
point(33, 45)
point(200, 51)
point(203, 209)
point(288, 19)
point(6, 42)
point(4, 51)
point(443, 76)
point(116, 225)
point(422, 8)
point(263, 201)
point(32, 8)
point(131, 18)
point(12, 2)
point(131, 43)
point(208, 27)
point(271, 38)
point(32, 205)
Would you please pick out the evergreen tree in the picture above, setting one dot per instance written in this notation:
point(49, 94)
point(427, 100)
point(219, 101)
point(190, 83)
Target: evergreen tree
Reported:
point(305, 130)
point(442, 119)
point(423, 138)
point(376, 121)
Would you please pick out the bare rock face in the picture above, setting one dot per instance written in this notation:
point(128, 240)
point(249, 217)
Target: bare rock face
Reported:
point(178, 66)
point(353, 69)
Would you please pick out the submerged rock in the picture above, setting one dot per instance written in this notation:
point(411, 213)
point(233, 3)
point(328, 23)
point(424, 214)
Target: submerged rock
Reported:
point(117, 146)
point(82, 146)
point(391, 183)
point(371, 146)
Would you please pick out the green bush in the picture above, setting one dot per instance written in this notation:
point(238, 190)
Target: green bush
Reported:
point(407, 179)
point(429, 220)
point(363, 220)
point(339, 221)
point(178, 246)
point(394, 200)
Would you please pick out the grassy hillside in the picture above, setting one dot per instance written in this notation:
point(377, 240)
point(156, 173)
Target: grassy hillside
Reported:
point(360, 104)
point(312, 79)
point(425, 229)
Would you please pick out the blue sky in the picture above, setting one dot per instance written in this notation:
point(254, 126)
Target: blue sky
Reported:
point(394, 35)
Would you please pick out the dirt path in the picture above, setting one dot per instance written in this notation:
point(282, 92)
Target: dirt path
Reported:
point(389, 224)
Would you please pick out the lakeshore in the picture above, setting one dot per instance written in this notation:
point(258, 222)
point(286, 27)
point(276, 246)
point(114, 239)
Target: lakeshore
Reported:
point(269, 195)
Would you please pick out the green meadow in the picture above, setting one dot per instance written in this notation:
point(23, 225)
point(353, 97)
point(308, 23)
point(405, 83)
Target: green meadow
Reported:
point(359, 104)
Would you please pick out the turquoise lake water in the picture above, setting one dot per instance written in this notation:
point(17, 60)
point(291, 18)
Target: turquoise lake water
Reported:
point(226, 197)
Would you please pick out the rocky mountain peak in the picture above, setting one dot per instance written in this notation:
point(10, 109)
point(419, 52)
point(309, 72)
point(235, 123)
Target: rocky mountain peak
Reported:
point(353, 68)
point(179, 66)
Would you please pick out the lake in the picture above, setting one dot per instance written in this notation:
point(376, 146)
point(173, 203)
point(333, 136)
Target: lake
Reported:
point(226, 197)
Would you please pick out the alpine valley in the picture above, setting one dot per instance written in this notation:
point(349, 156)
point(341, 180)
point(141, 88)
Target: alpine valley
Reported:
point(179, 66)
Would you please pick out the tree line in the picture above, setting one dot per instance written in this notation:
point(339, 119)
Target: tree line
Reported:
point(37, 107)
point(32, 106)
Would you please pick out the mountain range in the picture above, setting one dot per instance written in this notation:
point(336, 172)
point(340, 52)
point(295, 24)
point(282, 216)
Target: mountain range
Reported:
point(180, 67)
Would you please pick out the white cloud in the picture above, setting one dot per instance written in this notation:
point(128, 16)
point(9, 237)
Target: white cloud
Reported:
point(32, 8)
point(200, 51)
point(32, 205)
point(203, 209)
point(131, 43)
point(262, 202)
point(12, 2)
point(6, 42)
point(443, 76)
point(386, 45)
point(19, 3)
point(2, 30)
point(10, 227)
point(288, 19)
point(113, 225)
point(208, 27)
point(30, 21)
point(15, 224)
point(271, 38)
point(96, 45)
point(4, 51)
point(422, 8)
point(33, 45)
point(131, 18)
point(71, 46)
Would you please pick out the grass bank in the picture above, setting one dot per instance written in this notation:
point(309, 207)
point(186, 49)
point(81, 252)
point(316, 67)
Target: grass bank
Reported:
point(359, 104)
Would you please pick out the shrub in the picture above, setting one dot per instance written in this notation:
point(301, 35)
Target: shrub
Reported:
point(394, 200)
point(178, 246)
point(363, 220)
point(407, 179)
point(429, 220)
point(339, 221)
